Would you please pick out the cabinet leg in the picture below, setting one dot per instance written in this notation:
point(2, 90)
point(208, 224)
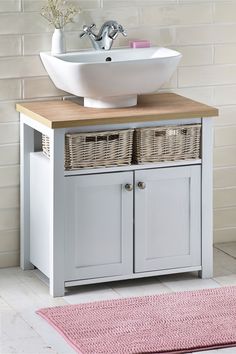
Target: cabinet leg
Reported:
point(207, 199)
point(26, 265)
point(57, 278)
point(27, 146)
point(206, 273)
point(56, 289)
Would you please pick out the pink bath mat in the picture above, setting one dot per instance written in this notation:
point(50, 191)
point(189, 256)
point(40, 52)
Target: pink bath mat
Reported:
point(169, 323)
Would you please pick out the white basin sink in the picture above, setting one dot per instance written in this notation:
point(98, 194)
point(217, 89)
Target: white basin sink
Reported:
point(114, 78)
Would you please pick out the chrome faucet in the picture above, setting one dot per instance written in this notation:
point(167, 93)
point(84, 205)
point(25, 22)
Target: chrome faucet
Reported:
point(106, 35)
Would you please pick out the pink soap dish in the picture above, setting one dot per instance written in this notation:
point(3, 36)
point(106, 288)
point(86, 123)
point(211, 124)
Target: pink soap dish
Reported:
point(140, 43)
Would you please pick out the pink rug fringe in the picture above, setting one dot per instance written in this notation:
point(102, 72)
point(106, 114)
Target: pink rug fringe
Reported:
point(170, 323)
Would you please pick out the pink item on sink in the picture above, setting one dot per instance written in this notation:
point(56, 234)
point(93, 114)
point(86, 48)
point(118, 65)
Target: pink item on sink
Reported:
point(140, 43)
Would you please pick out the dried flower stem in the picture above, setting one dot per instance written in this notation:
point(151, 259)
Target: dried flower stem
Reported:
point(57, 13)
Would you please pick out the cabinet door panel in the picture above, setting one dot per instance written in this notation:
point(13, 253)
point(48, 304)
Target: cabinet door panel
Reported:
point(167, 218)
point(99, 226)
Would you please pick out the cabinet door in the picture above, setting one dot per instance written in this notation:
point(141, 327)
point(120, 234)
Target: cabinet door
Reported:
point(99, 226)
point(167, 218)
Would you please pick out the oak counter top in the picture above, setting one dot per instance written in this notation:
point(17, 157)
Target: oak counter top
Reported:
point(155, 107)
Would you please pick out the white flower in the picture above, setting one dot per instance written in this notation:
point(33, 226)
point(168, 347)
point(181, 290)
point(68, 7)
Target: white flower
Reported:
point(58, 13)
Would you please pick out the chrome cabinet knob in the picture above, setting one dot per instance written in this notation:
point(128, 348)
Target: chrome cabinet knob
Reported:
point(129, 187)
point(141, 185)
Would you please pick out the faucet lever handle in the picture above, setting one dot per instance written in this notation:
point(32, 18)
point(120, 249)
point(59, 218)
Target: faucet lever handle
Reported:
point(92, 26)
point(87, 29)
point(122, 30)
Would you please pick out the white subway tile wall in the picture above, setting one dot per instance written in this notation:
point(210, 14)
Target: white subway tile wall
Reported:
point(203, 30)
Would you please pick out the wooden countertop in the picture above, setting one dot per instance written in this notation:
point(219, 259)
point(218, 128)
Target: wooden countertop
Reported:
point(155, 107)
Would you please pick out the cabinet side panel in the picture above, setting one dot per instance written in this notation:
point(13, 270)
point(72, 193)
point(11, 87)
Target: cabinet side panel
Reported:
point(39, 212)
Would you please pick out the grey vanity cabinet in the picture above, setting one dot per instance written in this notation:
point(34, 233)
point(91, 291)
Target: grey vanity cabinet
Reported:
point(99, 225)
point(132, 222)
point(167, 218)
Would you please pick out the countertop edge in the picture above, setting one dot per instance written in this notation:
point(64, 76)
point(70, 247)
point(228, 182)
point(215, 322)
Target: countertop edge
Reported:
point(125, 119)
point(21, 109)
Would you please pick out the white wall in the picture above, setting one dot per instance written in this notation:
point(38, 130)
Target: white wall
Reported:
point(203, 30)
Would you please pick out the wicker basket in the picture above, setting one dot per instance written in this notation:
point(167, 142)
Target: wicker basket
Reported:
point(96, 149)
point(46, 145)
point(167, 143)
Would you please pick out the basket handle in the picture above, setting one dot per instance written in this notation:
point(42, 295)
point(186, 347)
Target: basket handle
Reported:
point(110, 137)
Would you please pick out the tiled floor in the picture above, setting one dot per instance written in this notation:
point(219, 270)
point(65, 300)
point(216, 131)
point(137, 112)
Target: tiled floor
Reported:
point(21, 293)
